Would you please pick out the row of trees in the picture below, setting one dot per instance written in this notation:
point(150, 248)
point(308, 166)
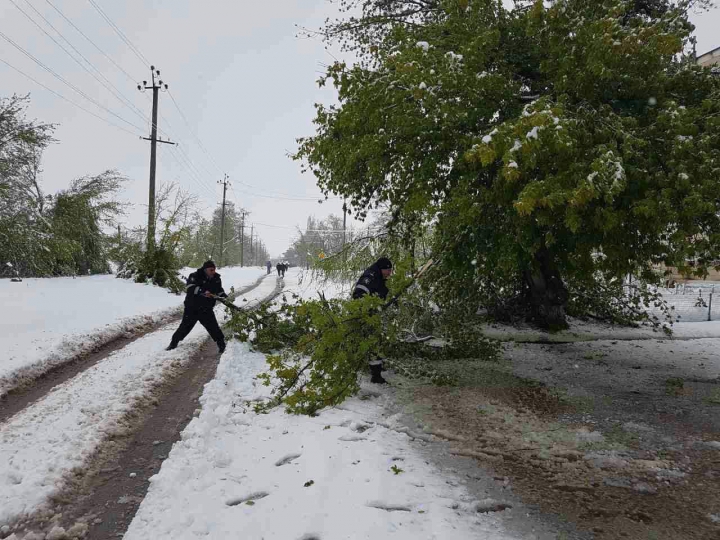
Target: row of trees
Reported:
point(549, 150)
point(48, 234)
point(241, 245)
point(321, 238)
point(76, 231)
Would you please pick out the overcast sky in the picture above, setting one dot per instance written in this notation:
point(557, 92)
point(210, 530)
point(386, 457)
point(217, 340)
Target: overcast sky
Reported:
point(245, 83)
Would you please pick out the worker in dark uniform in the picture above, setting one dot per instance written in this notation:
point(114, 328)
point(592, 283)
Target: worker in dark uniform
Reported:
point(372, 282)
point(202, 286)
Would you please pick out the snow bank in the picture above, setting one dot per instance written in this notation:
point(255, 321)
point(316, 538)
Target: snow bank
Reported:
point(351, 472)
point(43, 443)
point(47, 322)
point(583, 331)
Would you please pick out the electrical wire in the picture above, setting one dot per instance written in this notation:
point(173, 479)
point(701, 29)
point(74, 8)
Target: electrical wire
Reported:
point(194, 134)
point(66, 99)
point(130, 77)
point(121, 34)
point(333, 231)
point(105, 82)
point(177, 158)
point(64, 81)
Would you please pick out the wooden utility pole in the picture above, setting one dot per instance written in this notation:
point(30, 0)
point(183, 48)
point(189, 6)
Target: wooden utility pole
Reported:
point(224, 183)
point(155, 87)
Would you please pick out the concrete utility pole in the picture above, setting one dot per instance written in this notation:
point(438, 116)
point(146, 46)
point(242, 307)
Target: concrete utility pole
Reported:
point(155, 87)
point(252, 257)
point(243, 213)
point(224, 183)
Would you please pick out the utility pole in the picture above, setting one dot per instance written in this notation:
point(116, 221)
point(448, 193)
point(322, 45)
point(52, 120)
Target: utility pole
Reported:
point(224, 183)
point(243, 213)
point(344, 222)
point(252, 254)
point(155, 87)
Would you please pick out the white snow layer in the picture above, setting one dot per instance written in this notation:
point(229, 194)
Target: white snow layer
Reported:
point(46, 322)
point(40, 445)
point(277, 476)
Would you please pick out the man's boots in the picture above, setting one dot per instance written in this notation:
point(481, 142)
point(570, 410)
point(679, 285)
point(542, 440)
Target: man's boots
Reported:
point(376, 374)
point(221, 346)
point(172, 346)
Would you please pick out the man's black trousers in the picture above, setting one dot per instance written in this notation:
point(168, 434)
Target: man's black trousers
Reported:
point(206, 317)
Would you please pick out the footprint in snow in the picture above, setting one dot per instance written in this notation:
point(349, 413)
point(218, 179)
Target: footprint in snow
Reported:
point(287, 459)
point(248, 498)
point(352, 438)
point(389, 507)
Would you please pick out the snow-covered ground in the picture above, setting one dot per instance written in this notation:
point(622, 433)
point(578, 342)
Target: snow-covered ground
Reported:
point(583, 331)
point(351, 472)
point(45, 322)
point(42, 444)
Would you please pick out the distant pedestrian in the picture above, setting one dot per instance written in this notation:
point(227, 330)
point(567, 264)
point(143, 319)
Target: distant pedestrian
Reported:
point(372, 282)
point(279, 268)
point(268, 264)
point(203, 286)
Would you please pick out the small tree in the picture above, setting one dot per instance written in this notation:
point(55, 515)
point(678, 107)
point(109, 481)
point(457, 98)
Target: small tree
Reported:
point(160, 266)
point(78, 216)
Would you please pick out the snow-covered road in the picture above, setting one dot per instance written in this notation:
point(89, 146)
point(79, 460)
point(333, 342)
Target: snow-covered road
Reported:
point(351, 472)
point(45, 322)
point(42, 444)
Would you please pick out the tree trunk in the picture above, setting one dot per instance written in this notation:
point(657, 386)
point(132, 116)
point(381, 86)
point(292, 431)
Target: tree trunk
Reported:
point(546, 293)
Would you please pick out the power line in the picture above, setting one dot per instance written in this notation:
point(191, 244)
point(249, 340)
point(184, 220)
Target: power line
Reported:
point(187, 163)
point(334, 231)
point(66, 99)
point(130, 77)
point(64, 81)
point(107, 84)
point(193, 133)
point(190, 174)
point(120, 33)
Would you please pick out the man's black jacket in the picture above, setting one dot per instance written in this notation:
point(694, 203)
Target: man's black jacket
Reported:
point(371, 282)
point(197, 284)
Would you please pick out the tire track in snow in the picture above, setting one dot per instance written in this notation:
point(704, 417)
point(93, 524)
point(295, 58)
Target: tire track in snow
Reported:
point(38, 385)
point(48, 446)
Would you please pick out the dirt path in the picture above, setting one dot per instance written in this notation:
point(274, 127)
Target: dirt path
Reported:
point(21, 397)
point(101, 500)
point(619, 438)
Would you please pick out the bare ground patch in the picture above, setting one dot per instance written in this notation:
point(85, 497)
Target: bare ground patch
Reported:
point(581, 455)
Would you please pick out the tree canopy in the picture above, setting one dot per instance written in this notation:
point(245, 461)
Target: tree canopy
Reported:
point(553, 150)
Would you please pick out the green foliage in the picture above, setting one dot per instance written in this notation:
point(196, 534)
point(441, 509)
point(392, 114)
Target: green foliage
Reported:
point(316, 348)
point(203, 240)
point(161, 264)
point(321, 346)
point(44, 235)
point(555, 149)
point(78, 215)
point(396, 470)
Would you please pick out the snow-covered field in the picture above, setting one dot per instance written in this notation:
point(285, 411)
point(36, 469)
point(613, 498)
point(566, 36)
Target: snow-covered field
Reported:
point(351, 472)
point(42, 444)
point(46, 322)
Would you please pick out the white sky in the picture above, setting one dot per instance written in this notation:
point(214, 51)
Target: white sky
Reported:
point(242, 78)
